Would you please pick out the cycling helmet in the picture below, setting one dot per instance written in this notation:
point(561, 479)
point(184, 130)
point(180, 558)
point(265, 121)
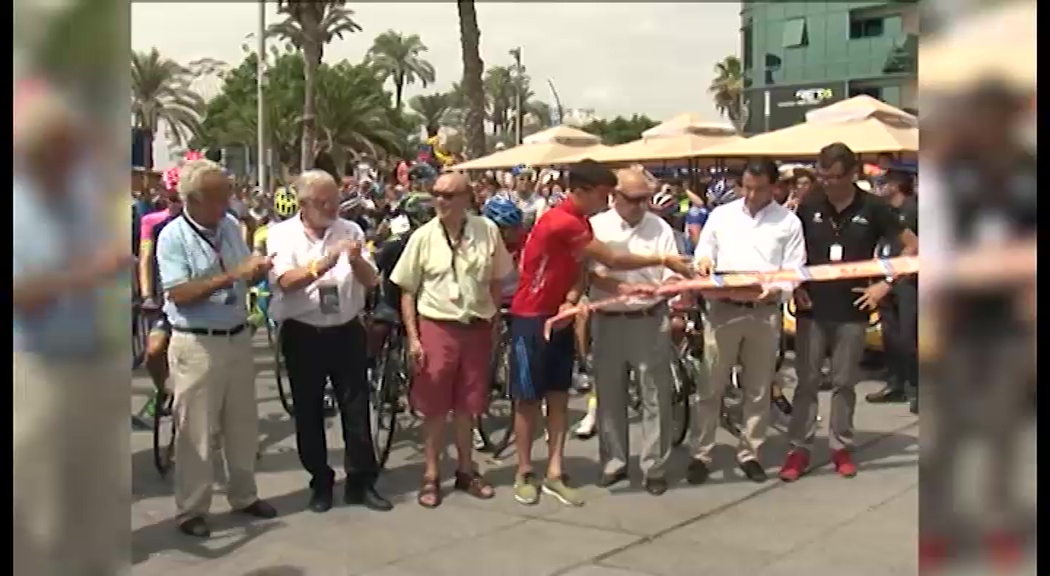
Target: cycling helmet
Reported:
point(351, 203)
point(503, 211)
point(285, 202)
point(720, 192)
point(663, 202)
point(419, 208)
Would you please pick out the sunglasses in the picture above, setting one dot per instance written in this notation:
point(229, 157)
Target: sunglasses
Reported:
point(445, 195)
point(636, 200)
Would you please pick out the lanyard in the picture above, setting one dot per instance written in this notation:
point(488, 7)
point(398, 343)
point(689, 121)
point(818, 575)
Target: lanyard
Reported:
point(215, 248)
point(453, 246)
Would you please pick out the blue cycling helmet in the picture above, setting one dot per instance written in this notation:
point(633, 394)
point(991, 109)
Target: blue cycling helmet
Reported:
point(720, 192)
point(503, 211)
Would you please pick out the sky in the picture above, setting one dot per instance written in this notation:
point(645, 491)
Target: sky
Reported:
point(619, 59)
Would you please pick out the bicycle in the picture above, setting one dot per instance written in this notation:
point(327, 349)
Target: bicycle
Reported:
point(258, 304)
point(141, 322)
point(496, 426)
point(164, 432)
point(388, 380)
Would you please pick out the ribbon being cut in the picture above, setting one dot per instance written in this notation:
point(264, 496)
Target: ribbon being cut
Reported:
point(840, 271)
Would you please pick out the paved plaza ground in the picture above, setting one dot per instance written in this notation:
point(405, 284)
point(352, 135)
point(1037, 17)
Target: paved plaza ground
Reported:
point(822, 524)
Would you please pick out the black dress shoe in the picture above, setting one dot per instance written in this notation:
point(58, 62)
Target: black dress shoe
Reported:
point(608, 480)
point(196, 527)
point(655, 486)
point(887, 395)
point(259, 509)
point(697, 472)
point(753, 470)
point(368, 498)
point(320, 501)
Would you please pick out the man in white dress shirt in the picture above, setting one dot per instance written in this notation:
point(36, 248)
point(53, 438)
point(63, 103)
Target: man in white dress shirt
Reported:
point(751, 234)
point(320, 277)
point(633, 336)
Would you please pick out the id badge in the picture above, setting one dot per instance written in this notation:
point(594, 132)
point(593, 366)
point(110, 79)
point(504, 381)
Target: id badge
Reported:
point(835, 253)
point(887, 250)
point(329, 296)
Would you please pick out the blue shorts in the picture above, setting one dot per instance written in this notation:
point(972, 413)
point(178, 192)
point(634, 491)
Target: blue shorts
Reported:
point(539, 366)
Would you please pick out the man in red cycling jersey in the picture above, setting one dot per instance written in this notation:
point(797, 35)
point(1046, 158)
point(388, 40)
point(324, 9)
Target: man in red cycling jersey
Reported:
point(551, 268)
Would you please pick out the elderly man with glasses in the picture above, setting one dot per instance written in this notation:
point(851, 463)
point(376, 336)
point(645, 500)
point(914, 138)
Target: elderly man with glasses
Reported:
point(450, 274)
point(205, 270)
point(320, 276)
point(633, 336)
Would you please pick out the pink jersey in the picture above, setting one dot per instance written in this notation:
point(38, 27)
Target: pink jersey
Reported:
point(149, 222)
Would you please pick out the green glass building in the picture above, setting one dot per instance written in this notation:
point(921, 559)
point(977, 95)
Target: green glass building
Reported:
point(798, 56)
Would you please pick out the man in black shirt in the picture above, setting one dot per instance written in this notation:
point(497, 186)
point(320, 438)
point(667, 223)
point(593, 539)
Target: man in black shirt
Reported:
point(899, 311)
point(841, 223)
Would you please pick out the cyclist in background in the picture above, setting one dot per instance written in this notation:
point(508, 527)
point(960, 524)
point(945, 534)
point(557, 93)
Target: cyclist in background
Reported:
point(156, 354)
point(506, 214)
point(414, 211)
point(285, 205)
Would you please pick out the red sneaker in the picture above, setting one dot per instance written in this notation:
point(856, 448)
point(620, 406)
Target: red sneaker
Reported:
point(795, 465)
point(844, 464)
point(1005, 550)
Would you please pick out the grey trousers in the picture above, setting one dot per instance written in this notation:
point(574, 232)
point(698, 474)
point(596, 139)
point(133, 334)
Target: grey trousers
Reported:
point(641, 344)
point(847, 341)
point(745, 336)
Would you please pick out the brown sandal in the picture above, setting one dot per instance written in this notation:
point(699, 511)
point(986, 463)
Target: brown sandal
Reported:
point(429, 493)
point(474, 484)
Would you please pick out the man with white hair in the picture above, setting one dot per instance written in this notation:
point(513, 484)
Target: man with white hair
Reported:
point(69, 408)
point(205, 270)
point(320, 278)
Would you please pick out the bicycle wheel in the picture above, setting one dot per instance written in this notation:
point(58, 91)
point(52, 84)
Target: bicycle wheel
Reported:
point(384, 398)
point(140, 327)
point(273, 337)
point(164, 430)
point(683, 388)
point(496, 425)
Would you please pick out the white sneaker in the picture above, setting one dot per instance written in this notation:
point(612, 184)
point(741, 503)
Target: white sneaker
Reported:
point(586, 427)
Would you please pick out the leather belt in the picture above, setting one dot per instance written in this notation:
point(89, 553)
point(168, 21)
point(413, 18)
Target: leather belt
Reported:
point(749, 305)
point(210, 331)
point(643, 313)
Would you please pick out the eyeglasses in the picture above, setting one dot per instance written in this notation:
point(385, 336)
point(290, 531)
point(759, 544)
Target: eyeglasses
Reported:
point(444, 195)
point(636, 200)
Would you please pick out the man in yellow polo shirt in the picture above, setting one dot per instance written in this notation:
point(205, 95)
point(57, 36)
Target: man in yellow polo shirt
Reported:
point(450, 275)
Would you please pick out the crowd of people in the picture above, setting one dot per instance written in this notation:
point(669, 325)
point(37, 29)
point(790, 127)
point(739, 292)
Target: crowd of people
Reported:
point(449, 257)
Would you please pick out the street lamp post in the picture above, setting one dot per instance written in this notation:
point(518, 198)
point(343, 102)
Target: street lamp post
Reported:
point(516, 54)
point(260, 118)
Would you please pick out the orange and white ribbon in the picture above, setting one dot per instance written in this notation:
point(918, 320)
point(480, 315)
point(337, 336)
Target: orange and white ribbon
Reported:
point(823, 273)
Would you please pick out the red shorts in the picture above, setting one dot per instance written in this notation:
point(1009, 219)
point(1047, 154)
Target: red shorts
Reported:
point(454, 376)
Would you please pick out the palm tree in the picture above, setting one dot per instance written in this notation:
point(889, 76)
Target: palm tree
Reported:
point(160, 92)
point(540, 112)
point(399, 57)
point(310, 26)
point(431, 109)
point(727, 89)
point(469, 39)
point(353, 115)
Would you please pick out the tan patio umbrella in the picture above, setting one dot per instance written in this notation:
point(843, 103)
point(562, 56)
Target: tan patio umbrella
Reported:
point(866, 132)
point(544, 148)
point(858, 107)
point(999, 44)
point(684, 123)
point(687, 145)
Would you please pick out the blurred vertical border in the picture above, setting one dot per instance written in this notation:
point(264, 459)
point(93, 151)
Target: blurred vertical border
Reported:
point(80, 48)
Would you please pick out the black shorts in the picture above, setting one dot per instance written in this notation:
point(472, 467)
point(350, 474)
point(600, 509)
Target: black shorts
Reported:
point(539, 366)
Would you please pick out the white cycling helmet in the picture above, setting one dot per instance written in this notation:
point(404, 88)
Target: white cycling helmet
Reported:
point(663, 201)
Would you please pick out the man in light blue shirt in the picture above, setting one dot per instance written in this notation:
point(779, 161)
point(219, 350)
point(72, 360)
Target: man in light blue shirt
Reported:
point(205, 269)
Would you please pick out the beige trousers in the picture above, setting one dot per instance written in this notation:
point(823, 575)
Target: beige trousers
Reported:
point(748, 337)
point(72, 467)
point(213, 379)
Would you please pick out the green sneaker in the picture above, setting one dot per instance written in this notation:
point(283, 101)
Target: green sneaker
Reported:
point(525, 490)
point(559, 489)
point(150, 409)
